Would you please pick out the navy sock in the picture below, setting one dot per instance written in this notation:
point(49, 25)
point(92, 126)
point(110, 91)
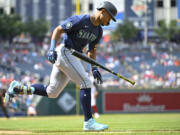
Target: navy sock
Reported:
point(40, 89)
point(85, 99)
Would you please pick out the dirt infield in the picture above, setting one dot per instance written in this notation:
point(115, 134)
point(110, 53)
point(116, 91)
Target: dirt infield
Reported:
point(14, 132)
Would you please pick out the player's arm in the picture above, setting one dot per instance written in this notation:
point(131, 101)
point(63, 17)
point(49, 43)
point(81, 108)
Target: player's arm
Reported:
point(55, 36)
point(52, 55)
point(92, 53)
point(93, 45)
point(96, 73)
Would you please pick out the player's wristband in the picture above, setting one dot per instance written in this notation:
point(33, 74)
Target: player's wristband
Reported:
point(53, 44)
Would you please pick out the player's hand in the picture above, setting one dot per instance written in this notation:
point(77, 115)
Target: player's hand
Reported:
point(52, 56)
point(97, 75)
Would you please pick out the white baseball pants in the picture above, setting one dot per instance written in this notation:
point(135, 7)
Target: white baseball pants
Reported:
point(65, 68)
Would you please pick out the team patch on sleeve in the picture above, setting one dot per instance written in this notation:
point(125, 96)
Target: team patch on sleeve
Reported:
point(69, 25)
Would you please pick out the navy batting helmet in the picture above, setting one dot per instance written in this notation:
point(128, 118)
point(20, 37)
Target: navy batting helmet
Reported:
point(110, 8)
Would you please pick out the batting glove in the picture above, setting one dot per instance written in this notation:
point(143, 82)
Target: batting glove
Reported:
point(97, 75)
point(52, 56)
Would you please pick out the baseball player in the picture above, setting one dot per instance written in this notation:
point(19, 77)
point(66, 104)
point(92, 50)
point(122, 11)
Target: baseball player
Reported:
point(94, 94)
point(3, 106)
point(79, 31)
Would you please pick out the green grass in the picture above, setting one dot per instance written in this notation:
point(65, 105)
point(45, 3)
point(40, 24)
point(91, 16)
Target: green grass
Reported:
point(134, 124)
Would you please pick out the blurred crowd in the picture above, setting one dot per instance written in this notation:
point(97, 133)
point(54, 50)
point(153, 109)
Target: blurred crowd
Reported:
point(19, 105)
point(154, 66)
point(11, 56)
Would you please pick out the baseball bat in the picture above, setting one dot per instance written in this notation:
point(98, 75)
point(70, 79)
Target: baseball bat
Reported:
point(93, 62)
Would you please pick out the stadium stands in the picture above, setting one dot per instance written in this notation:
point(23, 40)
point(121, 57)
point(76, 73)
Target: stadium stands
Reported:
point(151, 67)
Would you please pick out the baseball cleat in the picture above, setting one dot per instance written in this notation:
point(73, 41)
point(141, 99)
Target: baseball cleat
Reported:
point(92, 125)
point(15, 88)
point(8, 97)
point(10, 93)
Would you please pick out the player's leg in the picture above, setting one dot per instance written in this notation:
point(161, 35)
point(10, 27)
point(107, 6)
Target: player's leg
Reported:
point(75, 70)
point(58, 81)
point(3, 107)
point(94, 106)
point(96, 114)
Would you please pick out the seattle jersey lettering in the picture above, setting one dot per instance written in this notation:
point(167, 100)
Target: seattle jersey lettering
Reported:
point(86, 35)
